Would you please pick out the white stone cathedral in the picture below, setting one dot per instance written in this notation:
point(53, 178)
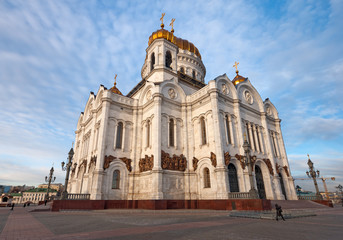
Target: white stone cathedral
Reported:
point(175, 137)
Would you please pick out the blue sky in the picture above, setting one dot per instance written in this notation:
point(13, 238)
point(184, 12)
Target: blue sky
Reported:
point(53, 53)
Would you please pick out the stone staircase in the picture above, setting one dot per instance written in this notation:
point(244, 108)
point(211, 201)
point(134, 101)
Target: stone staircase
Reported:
point(297, 204)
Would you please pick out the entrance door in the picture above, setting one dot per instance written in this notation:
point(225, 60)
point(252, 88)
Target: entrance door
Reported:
point(233, 178)
point(282, 186)
point(259, 182)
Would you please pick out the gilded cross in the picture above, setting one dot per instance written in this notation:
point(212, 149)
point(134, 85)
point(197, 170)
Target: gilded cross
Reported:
point(162, 18)
point(235, 65)
point(72, 144)
point(172, 23)
point(308, 155)
point(115, 79)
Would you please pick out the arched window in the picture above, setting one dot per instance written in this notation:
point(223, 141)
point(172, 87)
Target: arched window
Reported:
point(171, 132)
point(116, 179)
point(233, 180)
point(148, 133)
point(119, 135)
point(227, 121)
point(152, 61)
point(168, 59)
point(207, 178)
point(203, 131)
point(182, 70)
point(193, 74)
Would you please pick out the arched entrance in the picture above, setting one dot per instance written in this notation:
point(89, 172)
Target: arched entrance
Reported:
point(282, 186)
point(233, 180)
point(259, 182)
point(4, 199)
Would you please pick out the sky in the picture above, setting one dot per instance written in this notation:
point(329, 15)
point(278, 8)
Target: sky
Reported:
point(53, 53)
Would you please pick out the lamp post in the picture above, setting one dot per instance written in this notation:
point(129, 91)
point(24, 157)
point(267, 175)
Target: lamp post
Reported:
point(49, 180)
point(313, 174)
point(246, 146)
point(67, 168)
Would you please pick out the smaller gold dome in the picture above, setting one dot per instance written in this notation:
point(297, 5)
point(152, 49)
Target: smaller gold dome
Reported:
point(114, 89)
point(181, 43)
point(238, 79)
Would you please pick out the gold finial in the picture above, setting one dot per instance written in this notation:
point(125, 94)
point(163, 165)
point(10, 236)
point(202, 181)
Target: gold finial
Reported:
point(235, 66)
point(162, 25)
point(308, 155)
point(172, 24)
point(115, 80)
point(72, 144)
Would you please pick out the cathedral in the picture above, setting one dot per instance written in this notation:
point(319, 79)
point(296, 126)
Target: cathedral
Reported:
point(175, 137)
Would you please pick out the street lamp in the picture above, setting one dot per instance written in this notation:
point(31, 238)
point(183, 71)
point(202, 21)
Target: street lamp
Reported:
point(246, 146)
point(67, 168)
point(313, 174)
point(49, 180)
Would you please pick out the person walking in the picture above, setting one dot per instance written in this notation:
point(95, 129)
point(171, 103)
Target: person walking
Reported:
point(12, 206)
point(279, 212)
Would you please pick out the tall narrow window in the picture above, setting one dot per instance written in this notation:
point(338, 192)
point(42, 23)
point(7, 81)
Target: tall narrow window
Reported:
point(228, 129)
point(182, 70)
point(193, 74)
point(152, 61)
point(148, 133)
point(168, 59)
point(203, 131)
point(207, 179)
point(116, 179)
point(253, 137)
point(233, 180)
point(119, 135)
point(171, 133)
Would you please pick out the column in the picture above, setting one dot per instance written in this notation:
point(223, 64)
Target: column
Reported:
point(261, 139)
point(123, 137)
point(175, 133)
point(231, 130)
point(251, 137)
point(256, 138)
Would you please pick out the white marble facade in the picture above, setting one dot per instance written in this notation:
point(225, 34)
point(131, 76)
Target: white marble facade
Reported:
point(123, 142)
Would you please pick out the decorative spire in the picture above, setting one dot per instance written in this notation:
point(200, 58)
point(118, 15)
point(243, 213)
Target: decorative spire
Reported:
point(115, 80)
point(235, 66)
point(172, 24)
point(114, 89)
point(308, 156)
point(162, 25)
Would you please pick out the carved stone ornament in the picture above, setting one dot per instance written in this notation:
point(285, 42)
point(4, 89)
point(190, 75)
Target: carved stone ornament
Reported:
point(146, 163)
point(73, 169)
point(83, 164)
point(277, 166)
point(213, 159)
point(225, 90)
point(227, 158)
point(286, 170)
point(195, 163)
point(248, 97)
point(108, 160)
point(269, 165)
point(240, 158)
point(127, 162)
point(172, 93)
point(269, 111)
point(177, 163)
point(148, 95)
point(92, 162)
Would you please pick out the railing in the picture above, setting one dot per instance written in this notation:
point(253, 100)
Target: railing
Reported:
point(310, 198)
point(239, 195)
point(78, 196)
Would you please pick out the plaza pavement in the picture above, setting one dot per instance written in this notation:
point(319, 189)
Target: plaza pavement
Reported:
point(23, 223)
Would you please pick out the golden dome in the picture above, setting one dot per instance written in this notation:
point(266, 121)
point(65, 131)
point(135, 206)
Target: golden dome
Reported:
point(181, 43)
point(238, 79)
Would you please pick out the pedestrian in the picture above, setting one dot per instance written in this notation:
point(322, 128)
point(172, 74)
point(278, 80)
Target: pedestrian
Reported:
point(45, 202)
point(28, 204)
point(24, 204)
point(279, 212)
point(12, 206)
